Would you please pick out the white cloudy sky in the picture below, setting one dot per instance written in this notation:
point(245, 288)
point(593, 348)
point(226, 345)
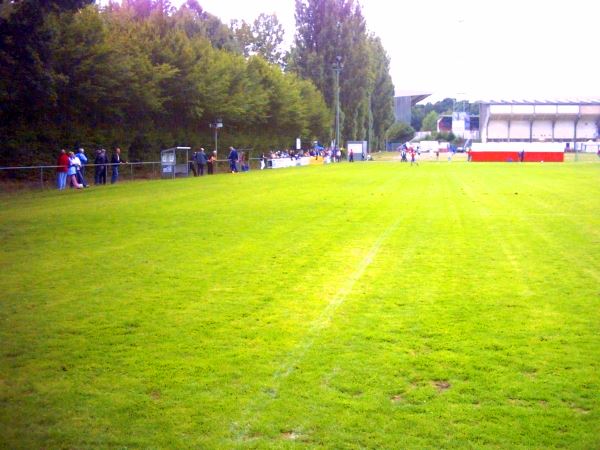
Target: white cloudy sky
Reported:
point(472, 48)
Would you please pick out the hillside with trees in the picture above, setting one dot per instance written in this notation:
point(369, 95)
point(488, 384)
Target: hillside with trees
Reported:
point(144, 75)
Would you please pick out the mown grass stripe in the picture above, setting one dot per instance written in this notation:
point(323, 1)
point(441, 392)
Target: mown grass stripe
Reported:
point(322, 322)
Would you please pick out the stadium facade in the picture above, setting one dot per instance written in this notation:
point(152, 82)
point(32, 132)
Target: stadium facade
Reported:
point(535, 130)
point(403, 103)
point(568, 121)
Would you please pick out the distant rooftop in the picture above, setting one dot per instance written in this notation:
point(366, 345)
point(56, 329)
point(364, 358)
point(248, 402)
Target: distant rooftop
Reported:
point(409, 92)
point(416, 96)
point(552, 101)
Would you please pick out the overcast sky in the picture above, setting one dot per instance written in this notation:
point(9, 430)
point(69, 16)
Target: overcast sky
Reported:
point(472, 49)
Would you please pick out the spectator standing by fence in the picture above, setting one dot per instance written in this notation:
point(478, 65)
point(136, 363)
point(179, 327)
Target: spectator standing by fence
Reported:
point(233, 158)
point(193, 163)
point(115, 162)
point(263, 161)
point(212, 159)
point(62, 169)
point(72, 171)
point(100, 162)
point(81, 171)
point(245, 167)
point(202, 160)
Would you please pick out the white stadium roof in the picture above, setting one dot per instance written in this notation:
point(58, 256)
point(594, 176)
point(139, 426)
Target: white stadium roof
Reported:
point(553, 101)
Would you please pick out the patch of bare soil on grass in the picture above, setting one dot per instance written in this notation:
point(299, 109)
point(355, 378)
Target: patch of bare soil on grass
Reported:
point(252, 436)
point(396, 398)
point(442, 385)
point(290, 435)
point(579, 409)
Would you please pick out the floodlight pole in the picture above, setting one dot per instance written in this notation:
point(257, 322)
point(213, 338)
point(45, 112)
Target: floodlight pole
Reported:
point(216, 139)
point(337, 68)
point(218, 123)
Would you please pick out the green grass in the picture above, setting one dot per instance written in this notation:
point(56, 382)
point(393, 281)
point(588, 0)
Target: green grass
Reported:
point(371, 305)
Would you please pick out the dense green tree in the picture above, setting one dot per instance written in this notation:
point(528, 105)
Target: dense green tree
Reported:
point(382, 97)
point(446, 137)
point(264, 37)
point(430, 121)
point(268, 37)
point(400, 132)
point(417, 115)
point(143, 75)
point(242, 31)
point(28, 85)
point(326, 30)
point(444, 106)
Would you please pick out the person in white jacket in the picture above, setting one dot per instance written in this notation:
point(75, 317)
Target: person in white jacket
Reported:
point(74, 163)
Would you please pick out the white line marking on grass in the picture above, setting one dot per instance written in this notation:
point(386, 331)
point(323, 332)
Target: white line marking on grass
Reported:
point(326, 316)
point(251, 412)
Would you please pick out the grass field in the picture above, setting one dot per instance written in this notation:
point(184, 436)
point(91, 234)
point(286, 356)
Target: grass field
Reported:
point(373, 305)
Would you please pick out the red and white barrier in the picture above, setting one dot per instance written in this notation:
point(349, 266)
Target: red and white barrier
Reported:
point(510, 151)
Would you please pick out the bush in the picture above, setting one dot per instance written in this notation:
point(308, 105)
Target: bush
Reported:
point(400, 132)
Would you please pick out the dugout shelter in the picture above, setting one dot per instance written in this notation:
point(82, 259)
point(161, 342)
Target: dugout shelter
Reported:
point(175, 162)
point(543, 128)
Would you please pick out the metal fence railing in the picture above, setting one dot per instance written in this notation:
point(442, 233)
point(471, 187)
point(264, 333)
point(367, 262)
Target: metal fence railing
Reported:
point(45, 177)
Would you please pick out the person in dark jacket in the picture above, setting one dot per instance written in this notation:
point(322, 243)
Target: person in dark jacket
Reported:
point(233, 159)
point(193, 163)
point(116, 161)
point(201, 159)
point(100, 162)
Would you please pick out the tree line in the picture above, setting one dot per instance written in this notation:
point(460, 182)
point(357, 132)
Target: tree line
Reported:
point(144, 75)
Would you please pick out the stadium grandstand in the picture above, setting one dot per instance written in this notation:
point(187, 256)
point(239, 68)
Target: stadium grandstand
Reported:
point(568, 121)
point(403, 103)
point(534, 130)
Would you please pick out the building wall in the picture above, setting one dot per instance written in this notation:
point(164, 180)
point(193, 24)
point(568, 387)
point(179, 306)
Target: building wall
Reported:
point(519, 130)
point(497, 129)
point(586, 129)
point(402, 109)
point(564, 129)
point(522, 122)
point(541, 130)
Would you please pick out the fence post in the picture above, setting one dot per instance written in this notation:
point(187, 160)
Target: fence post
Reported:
point(42, 177)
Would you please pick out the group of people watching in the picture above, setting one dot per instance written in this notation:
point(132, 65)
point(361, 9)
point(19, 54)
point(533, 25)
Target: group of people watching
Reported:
point(200, 161)
point(243, 158)
point(71, 168)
